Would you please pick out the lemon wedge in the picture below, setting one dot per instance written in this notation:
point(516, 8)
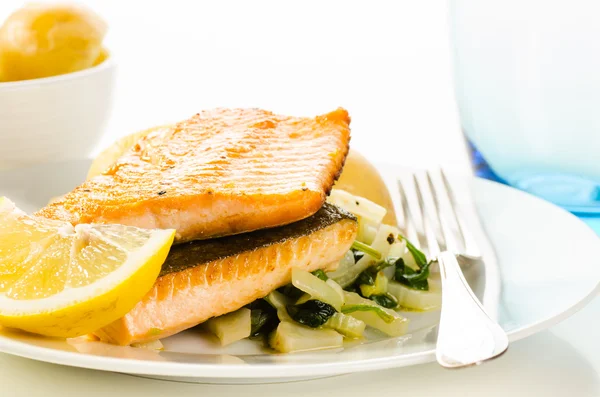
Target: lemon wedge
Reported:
point(64, 281)
point(118, 148)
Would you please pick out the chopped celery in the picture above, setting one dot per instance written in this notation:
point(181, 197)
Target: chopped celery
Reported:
point(385, 320)
point(346, 325)
point(367, 249)
point(346, 263)
point(280, 303)
point(379, 287)
point(306, 297)
point(320, 274)
point(337, 288)
point(397, 249)
point(411, 298)
point(152, 345)
point(291, 337)
point(231, 327)
point(359, 206)
point(303, 299)
point(366, 231)
point(380, 244)
point(316, 288)
point(349, 309)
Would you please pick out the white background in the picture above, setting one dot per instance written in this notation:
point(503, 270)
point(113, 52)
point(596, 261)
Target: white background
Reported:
point(389, 64)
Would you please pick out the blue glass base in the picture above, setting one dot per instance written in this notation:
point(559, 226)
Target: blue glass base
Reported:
point(481, 168)
point(574, 193)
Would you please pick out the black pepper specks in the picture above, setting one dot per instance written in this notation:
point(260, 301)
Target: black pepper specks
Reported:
point(390, 239)
point(162, 192)
point(357, 203)
point(304, 189)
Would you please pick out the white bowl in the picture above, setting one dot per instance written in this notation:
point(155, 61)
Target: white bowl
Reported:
point(59, 117)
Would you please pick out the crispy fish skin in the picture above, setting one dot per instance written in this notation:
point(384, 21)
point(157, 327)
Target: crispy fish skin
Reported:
point(208, 278)
point(222, 172)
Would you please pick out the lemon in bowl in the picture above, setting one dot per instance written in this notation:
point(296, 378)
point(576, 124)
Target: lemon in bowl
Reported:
point(56, 84)
point(43, 40)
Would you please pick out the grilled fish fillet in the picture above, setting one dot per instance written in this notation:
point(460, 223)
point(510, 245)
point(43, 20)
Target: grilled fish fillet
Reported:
point(222, 172)
point(208, 278)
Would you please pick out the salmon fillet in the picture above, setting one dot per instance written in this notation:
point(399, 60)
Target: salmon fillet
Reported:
point(208, 278)
point(222, 172)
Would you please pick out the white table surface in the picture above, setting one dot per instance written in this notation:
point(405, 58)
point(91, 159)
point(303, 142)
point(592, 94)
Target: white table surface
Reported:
point(388, 63)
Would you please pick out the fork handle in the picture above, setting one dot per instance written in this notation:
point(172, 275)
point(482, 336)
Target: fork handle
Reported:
point(466, 334)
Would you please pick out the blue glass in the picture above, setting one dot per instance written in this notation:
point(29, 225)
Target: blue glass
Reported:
point(575, 193)
point(593, 222)
point(528, 92)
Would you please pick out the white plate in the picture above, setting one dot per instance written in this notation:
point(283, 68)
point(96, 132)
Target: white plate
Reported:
point(549, 264)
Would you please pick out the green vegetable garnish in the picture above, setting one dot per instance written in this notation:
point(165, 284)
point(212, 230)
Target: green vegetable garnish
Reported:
point(313, 313)
point(320, 274)
point(263, 318)
point(385, 316)
point(412, 278)
point(367, 277)
point(367, 249)
point(385, 300)
point(420, 258)
point(387, 262)
point(291, 292)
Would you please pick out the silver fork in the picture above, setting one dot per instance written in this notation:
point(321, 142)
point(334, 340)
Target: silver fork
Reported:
point(466, 333)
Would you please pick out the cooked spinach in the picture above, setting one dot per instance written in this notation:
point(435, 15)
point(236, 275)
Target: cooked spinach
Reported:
point(263, 318)
point(383, 264)
point(420, 258)
point(291, 292)
point(353, 288)
point(385, 316)
point(412, 278)
point(386, 300)
point(320, 274)
point(313, 313)
point(366, 277)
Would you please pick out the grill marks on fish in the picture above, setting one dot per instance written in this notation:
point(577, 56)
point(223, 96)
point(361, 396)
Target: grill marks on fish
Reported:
point(204, 279)
point(222, 172)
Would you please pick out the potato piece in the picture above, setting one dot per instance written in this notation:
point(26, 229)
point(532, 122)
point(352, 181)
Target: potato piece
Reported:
point(291, 337)
point(231, 327)
point(361, 178)
point(42, 40)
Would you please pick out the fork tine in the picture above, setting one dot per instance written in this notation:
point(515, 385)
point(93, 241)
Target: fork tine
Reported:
point(461, 227)
point(410, 227)
point(443, 240)
point(432, 243)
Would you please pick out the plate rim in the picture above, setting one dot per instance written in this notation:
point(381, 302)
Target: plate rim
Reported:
point(286, 370)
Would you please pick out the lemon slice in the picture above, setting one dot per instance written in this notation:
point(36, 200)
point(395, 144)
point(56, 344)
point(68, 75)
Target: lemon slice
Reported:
point(64, 281)
point(112, 153)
